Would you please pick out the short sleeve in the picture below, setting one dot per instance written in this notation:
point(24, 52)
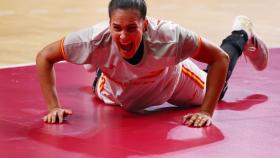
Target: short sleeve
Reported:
point(78, 47)
point(189, 44)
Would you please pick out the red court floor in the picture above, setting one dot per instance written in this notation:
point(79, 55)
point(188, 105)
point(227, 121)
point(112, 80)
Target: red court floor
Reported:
point(246, 123)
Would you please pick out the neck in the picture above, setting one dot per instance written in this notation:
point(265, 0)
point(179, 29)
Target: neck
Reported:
point(136, 58)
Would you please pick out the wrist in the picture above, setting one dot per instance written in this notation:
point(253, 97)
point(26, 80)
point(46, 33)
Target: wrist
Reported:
point(51, 108)
point(205, 113)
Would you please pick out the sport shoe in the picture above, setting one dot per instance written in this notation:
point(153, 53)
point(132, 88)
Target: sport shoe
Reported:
point(255, 49)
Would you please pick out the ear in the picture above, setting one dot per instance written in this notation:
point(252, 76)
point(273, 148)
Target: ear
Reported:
point(109, 24)
point(145, 25)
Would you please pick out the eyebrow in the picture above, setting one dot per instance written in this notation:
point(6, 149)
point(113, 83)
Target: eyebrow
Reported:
point(129, 25)
point(132, 25)
point(115, 24)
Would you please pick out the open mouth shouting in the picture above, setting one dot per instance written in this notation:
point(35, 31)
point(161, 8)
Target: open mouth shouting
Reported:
point(126, 49)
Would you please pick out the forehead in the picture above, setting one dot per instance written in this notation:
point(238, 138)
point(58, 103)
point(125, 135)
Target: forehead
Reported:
point(125, 16)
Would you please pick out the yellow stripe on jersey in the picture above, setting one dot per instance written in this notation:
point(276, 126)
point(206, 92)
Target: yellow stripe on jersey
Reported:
point(193, 77)
point(62, 49)
point(101, 86)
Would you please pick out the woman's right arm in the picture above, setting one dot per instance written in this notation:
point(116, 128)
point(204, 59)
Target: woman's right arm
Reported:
point(45, 61)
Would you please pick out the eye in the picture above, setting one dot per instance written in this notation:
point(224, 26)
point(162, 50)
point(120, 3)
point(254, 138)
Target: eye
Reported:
point(131, 29)
point(116, 28)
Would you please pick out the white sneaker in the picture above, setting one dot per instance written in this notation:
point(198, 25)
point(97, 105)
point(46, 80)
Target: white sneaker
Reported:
point(255, 49)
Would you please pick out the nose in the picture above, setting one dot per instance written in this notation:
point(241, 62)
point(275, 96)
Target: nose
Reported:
point(123, 35)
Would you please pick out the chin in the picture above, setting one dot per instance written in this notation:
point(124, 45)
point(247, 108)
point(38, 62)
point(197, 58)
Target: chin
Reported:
point(126, 54)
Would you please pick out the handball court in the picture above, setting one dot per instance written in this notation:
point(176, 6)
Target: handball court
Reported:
point(246, 123)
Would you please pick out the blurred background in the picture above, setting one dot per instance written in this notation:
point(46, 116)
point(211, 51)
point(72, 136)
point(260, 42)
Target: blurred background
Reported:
point(26, 26)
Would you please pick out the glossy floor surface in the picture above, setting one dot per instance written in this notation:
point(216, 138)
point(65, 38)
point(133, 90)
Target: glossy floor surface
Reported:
point(246, 123)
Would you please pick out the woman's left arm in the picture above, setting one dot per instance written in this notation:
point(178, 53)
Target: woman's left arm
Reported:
point(218, 62)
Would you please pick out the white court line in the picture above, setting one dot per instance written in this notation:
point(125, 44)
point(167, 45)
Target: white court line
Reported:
point(22, 65)
point(101, 10)
point(17, 65)
point(168, 7)
point(39, 11)
point(7, 12)
point(274, 47)
point(72, 10)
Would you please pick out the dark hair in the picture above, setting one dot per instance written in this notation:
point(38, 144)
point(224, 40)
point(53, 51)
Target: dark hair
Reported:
point(139, 5)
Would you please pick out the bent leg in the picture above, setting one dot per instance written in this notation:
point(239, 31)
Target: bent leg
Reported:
point(233, 45)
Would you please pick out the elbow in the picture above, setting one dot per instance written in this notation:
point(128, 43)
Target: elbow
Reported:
point(39, 57)
point(42, 58)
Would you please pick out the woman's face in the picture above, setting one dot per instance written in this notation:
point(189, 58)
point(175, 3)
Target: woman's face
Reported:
point(127, 27)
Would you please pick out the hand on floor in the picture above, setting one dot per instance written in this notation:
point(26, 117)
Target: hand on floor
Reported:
point(57, 115)
point(199, 119)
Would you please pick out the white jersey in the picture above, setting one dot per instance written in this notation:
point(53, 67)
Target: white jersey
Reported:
point(150, 82)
